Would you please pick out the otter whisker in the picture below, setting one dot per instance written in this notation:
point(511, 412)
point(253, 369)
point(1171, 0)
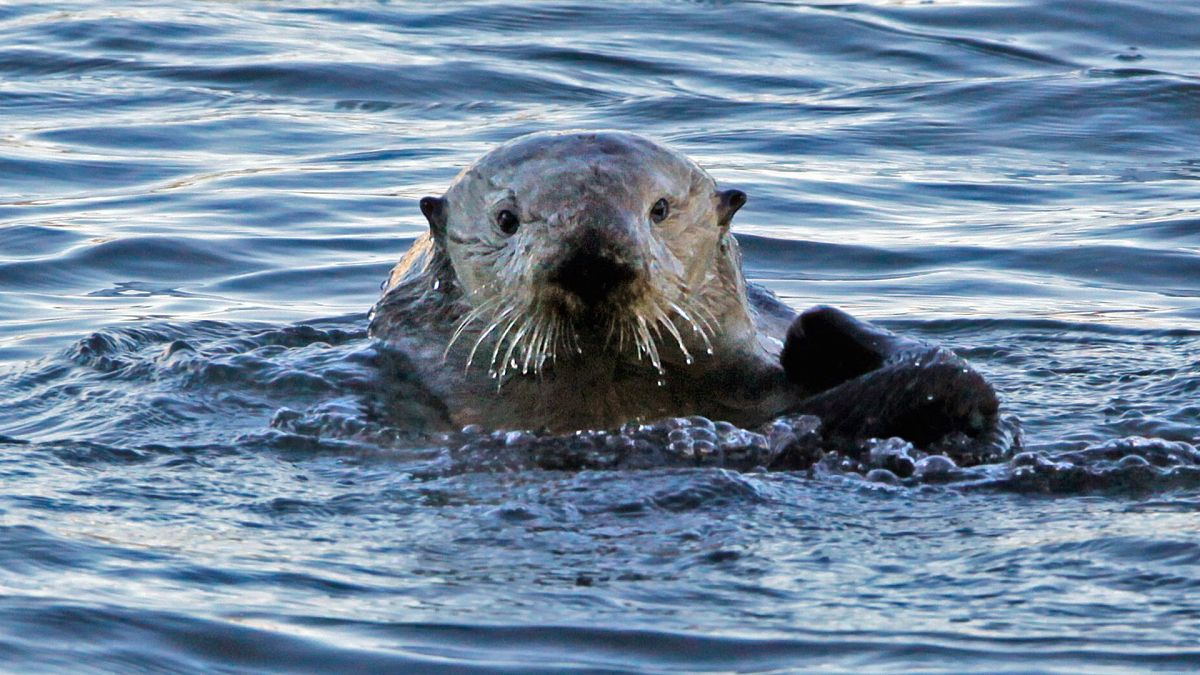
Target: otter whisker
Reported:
point(523, 341)
point(516, 340)
point(650, 348)
point(711, 319)
point(471, 317)
point(532, 346)
point(707, 317)
point(612, 327)
point(492, 325)
point(541, 353)
point(636, 336)
point(555, 336)
point(667, 323)
point(551, 353)
point(500, 340)
point(537, 338)
point(546, 349)
point(698, 328)
point(653, 324)
point(574, 337)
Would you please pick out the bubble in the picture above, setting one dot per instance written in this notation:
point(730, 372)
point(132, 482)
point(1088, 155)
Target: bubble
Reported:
point(1130, 461)
point(683, 448)
point(517, 438)
point(724, 428)
point(934, 465)
point(619, 442)
point(882, 476)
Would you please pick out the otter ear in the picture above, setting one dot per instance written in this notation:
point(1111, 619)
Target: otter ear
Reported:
point(434, 209)
point(728, 203)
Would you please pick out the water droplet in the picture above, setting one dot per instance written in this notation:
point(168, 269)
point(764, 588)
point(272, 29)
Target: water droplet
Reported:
point(662, 383)
point(689, 360)
point(709, 351)
point(437, 283)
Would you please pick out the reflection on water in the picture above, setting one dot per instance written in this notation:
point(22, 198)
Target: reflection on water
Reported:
point(197, 206)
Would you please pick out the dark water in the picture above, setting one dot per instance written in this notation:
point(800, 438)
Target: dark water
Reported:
point(197, 206)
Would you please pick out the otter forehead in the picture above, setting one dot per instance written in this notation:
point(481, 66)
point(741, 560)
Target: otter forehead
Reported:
point(563, 168)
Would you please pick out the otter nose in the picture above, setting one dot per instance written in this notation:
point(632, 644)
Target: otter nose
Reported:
point(592, 275)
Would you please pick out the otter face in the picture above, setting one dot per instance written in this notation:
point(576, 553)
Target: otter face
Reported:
point(561, 240)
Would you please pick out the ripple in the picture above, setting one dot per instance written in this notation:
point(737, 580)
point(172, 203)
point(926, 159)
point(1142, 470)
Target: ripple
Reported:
point(32, 62)
point(208, 466)
point(371, 81)
point(68, 174)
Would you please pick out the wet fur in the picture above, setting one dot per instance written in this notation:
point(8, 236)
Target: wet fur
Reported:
point(687, 338)
point(422, 311)
point(477, 313)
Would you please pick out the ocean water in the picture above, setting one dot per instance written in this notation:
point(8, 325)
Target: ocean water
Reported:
point(199, 200)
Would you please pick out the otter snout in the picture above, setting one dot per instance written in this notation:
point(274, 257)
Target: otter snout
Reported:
point(592, 277)
point(593, 267)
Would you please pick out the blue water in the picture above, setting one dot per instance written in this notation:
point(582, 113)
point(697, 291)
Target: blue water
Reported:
point(198, 204)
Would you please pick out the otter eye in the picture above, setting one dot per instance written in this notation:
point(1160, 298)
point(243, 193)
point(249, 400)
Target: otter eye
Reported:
point(507, 221)
point(660, 210)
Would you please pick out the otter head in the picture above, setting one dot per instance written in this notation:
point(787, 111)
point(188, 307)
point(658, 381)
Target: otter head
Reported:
point(567, 241)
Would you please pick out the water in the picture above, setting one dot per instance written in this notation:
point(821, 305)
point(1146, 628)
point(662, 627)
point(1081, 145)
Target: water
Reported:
point(197, 206)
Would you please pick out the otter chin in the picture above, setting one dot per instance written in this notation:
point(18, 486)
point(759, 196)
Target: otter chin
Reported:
point(582, 280)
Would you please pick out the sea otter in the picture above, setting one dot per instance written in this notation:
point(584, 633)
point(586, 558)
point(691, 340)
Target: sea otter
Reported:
point(581, 280)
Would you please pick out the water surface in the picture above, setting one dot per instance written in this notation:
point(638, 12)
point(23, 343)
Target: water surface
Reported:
point(197, 206)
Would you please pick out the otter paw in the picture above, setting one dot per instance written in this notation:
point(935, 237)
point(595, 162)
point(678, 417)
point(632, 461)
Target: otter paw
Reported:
point(826, 347)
